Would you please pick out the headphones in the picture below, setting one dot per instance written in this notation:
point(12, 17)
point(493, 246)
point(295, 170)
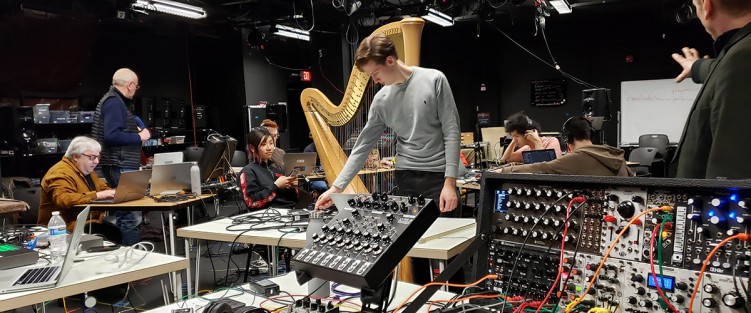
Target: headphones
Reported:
point(685, 13)
point(218, 307)
point(223, 307)
point(566, 134)
point(530, 123)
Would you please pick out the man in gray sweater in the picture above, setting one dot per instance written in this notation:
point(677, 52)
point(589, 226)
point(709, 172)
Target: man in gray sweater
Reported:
point(418, 105)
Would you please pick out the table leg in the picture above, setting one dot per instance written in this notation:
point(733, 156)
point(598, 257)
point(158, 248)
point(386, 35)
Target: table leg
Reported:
point(171, 222)
point(198, 261)
point(274, 262)
point(179, 285)
point(170, 216)
point(190, 215)
point(441, 267)
point(430, 268)
point(187, 270)
point(164, 231)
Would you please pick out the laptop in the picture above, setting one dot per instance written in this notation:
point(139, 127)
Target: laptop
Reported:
point(168, 158)
point(537, 156)
point(170, 179)
point(302, 163)
point(47, 276)
point(132, 186)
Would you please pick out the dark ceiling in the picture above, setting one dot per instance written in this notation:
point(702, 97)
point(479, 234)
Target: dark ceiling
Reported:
point(328, 15)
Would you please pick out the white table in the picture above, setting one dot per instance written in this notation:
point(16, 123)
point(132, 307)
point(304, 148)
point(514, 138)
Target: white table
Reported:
point(446, 238)
point(289, 284)
point(93, 274)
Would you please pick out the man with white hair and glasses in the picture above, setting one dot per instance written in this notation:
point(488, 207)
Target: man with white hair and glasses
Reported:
point(72, 181)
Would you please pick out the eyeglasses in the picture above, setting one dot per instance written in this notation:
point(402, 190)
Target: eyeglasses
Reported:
point(137, 85)
point(93, 158)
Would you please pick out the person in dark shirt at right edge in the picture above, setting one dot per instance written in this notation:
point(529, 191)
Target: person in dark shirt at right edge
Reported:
point(713, 140)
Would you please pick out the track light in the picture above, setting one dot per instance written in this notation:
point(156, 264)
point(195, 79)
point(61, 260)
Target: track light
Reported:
point(562, 6)
point(440, 18)
point(170, 7)
point(292, 32)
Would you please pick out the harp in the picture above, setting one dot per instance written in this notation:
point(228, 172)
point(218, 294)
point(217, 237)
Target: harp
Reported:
point(321, 113)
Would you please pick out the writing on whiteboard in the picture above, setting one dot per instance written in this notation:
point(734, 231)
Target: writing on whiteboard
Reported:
point(655, 107)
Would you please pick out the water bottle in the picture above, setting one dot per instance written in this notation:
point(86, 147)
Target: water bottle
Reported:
point(316, 286)
point(195, 179)
point(58, 237)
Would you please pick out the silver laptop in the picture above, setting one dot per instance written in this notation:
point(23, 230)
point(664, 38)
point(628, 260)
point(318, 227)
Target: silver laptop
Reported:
point(302, 163)
point(168, 158)
point(132, 186)
point(47, 276)
point(170, 178)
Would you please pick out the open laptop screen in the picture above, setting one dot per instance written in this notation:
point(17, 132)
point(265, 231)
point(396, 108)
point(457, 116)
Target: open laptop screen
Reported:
point(536, 156)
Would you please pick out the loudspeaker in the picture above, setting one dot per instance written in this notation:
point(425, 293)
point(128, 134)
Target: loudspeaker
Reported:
point(9, 136)
point(200, 117)
point(278, 113)
point(147, 111)
point(596, 102)
point(257, 114)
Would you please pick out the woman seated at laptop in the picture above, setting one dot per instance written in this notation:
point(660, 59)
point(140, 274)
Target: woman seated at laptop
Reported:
point(525, 134)
point(264, 185)
point(72, 181)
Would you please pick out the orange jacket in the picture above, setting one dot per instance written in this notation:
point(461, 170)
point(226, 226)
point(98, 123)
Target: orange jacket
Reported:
point(63, 187)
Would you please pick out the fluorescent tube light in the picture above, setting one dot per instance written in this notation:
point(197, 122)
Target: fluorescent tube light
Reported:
point(171, 7)
point(440, 18)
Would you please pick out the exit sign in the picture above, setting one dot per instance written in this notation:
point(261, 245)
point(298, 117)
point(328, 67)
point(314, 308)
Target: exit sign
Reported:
point(305, 76)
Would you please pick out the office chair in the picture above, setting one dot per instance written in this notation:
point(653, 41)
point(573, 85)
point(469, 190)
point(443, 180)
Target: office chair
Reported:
point(645, 156)
point(659, 142)
point(193, 154)
point(239, 159)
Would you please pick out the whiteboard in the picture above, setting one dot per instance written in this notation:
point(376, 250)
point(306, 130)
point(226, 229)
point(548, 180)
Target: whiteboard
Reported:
point(655, 107)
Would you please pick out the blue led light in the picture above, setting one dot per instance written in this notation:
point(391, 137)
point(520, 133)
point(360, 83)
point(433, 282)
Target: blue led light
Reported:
point(731, 215)
point(734, 197)
point(711, 213)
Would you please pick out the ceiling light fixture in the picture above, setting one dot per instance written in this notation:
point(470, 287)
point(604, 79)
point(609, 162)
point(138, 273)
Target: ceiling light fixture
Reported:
point(440, 18)
point(170, 7)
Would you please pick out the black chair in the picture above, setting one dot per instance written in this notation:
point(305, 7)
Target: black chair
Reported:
point(645, 157)
point(32, 197)
point(659, 142)
point(239, 159)
point(192, 154)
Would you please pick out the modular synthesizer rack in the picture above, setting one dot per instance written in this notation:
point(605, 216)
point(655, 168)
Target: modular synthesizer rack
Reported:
point(613, 231)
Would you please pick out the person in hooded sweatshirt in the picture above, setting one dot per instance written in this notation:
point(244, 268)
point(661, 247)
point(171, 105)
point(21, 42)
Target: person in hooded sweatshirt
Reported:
point(584, 157)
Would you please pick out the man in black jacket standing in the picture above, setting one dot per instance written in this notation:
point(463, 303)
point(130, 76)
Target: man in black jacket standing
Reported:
point(115, 128)
point(713, 141)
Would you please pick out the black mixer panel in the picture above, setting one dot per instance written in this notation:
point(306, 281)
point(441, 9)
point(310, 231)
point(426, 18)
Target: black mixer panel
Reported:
point(365, 241)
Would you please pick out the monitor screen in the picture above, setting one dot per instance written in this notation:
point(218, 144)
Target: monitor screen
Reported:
point(216, 157)
point(501, 195)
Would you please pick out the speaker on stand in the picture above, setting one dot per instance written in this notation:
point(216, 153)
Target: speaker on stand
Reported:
point(596, 107)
